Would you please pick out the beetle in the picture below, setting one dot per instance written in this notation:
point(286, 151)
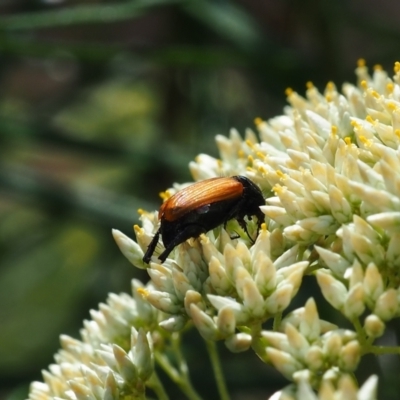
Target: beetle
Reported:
point(203, 206)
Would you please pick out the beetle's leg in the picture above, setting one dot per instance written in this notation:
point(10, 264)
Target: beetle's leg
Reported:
point(152, 247)
point(233, 236)
point(190, 231)
point(243, 224)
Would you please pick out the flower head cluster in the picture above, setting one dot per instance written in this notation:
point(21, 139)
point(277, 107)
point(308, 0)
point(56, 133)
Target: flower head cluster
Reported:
point(330, 172)
point(115, 354)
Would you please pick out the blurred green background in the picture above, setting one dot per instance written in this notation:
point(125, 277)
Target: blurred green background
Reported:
point(102, 106)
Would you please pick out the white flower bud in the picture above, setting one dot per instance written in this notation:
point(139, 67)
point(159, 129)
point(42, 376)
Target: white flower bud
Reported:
point(276, 339)
point(374, 326)
point(297, 233)
point(209, 249)
point(354, 303)
point(387, 305)
point(283, 362)
point(280, 299)
point(111, 387)
point(130, 249)
point(355, 274)
point(239, 342)
point(142, 356)
point(219, 279)
point(226, 322)
point(322, 225)
point(193, 297)
point(288, 258)
point(125, 366)
point(161, 278)
point(333, 290)
point(366, 250)
point(393, 250)
point(278, 214)
point(263, 243)
point(310, 324)
point(332, 346)
point(304, 390)
point(368, 390)
point(164, 301)
point(204, 323)
point(347, 388)
point(349, 356)
point(81, 391)
point(293, 275)
point(335, 262)
point(174, 323)
point(340, 207)
point(297, 342)
point(265, 276)
point(181, 283)
point(314, 358)
point(373, 284)
point(232, 260)
point(244, 255)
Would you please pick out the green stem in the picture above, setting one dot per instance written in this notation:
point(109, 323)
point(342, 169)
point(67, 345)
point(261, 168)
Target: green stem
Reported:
point(156, 385)
point(380, 350)
point(277, 322)
point(360, 332)
point(217, 368)
point(185, 383)
point(179, 376)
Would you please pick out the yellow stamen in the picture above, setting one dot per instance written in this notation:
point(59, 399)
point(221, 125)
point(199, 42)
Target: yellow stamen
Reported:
point(330, 86)
point(249, 143)
point(361, 62)
point(347, 140)
point(258, 121)
point(260, 155)
point(309, 85)
point(364, 84)
point(288, 91)
point(143, 292)
point(369, 119)
point(262, 170)
point(165, 195)
point(241, 153)
point(333, 129)
point(365, 141)
point(392, 106)
point(390, 87)
point(138, 230)
point(250, 159)
point(378, 67)
point(278, 189)
point(375, 94)
point(280, 174)
point(397, 132)
point(397, 67)
point(141, 211)
point(264, 226)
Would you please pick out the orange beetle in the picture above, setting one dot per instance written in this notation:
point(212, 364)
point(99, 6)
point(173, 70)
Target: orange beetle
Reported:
point(203, 206)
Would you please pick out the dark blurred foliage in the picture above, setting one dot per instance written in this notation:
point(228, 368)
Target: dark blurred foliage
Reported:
point(103, 104)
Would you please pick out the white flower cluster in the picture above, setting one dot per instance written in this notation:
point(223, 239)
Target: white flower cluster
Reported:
point(330, 171)
point(306, 351)
point(331, 388)
point(223, 284)
point(114, 356)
